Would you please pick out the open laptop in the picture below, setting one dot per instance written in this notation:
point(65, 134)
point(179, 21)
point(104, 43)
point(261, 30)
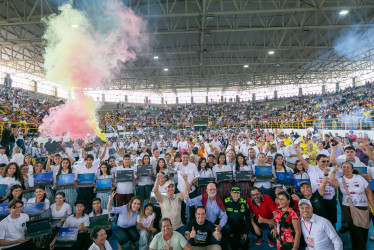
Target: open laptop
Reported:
point(104, 185)
point(37, 228)
point(4, 212)
point(86, 180)
point(101, 220)
point(66, 237)
point(33, 209)
point(45, 179)
point(125, 175)
point(65, 180)
point(285, 179)
point(3, 189)
point(263, 173)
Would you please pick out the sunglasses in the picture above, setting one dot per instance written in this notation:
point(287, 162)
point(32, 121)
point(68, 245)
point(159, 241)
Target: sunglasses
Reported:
point(325, 161)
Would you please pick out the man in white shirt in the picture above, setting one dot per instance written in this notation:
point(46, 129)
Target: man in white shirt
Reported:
point(290, 156)
point(3, 156)
point(182, 144)
point(12, 228)
point(154, 158)
point(317, 231)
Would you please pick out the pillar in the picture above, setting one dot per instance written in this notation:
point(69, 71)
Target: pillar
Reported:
point(146, 100)
point(191, 99)
point(162, 100)
point(337, 86)
point(176, 100)
point(275, 94)
point(354, 82)
point(323, 89)
point(103, 97)
point(54, 93)
point(126, 99)
point(221, 98)
point(35, 86)
point(206, 99)
point(237, 98)
point(253, 97)
point(300, 91)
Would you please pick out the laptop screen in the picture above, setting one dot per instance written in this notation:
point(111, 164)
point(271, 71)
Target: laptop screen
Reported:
point(103, 183)
point(43, 178)
point(86, 178)
point(67, 234)
point(263, 171)
point(3, 188)
point(34, 208)
point(285, 178)
point(4, 209)
point(65, 179)
point(101, 220)
point(37, 225)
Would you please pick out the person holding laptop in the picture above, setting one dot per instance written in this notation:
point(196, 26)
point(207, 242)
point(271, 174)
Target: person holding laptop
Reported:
point(97, 210)
point(81, 221)
point(69, 191)
point(60, 210)
point(41, 197)
point(12, 228)
point(125, 190)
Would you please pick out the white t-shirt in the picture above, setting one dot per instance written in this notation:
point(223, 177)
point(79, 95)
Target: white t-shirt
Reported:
point(190, 170)
point(13, 229)
point(356, 186)
point(10, 181)
point(316, 176)
point(73, 222)
point(183, 145)
point(146, 222)
point(47, 203)
point(127, 186)
point(64, 211)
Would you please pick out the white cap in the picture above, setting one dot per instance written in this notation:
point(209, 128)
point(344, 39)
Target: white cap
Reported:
point(252, 142)
point(305, 201)
point(306, 157)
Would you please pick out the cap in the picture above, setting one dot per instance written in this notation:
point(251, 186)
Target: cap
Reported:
point(1, 147)
point(168, 183)
point(235, 190)
point(305, 201)
point(252, 142)
point(306, 157)
point(280, 187)
point(304, 182)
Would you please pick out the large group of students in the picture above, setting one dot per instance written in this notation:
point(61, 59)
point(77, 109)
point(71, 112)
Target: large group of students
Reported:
point(190, 190)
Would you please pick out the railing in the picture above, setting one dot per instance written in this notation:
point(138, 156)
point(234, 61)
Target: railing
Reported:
point(8, 107)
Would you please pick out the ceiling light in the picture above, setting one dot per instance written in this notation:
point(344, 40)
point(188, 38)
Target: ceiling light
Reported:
point(166, 69)
point(155, 57)
point(75, 26)
point(246, 66)
point(271, 52)
point(210, 18)
point(343, 12)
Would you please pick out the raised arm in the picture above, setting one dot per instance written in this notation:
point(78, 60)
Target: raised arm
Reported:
point(110, 199)
point(300, 157)
point(157, 193)
point(104, 152)
point(332, 180)
point(322, 187)
point(333, 155)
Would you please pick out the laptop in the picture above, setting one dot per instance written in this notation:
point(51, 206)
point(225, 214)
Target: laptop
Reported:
point(66, 180)
point(45, 179)
point(3, 189)
point(125, 175)
point(86, 180)
point(104, 185)
point(66, 237)
point(263, 173)
point(285, 179)
point(361, 170)
point(37, 228)
point(33, 209)
point(4, 212)
point(101, 220)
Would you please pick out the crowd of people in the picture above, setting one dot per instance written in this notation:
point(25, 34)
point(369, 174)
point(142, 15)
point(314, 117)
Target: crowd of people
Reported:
point(203, 190)
point(350, 107)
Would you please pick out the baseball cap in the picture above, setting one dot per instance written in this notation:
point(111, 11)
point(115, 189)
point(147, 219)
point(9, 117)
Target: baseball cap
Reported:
point(252, 142)
point(168, 183)
point(305, 201)
point(280, 186)
point(235, 190)
point(306, 157)
point(304, 182)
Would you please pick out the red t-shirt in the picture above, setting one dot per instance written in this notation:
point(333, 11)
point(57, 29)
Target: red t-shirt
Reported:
point(266, 208)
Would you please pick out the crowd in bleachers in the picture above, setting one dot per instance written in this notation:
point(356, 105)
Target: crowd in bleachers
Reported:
point(213, 189)
point(350, 104)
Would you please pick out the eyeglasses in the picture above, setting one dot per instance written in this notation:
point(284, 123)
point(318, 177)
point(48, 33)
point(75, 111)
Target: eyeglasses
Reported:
point(256, 194)
point(18, 207)
point(325, 161)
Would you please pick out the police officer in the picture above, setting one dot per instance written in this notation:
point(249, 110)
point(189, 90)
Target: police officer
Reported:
point(238, 214)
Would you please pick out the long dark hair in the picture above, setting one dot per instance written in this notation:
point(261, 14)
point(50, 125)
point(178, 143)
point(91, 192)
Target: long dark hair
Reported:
point(274, 163)
point(17, 175)
point(237, 166)
point(12, 188)
point(158, 167)
point(45, 194)
point(60, 168)
point(149, 158)
point(199, 164)
point(219, 155)
point(107, 168)
point(296, 171)
point(288, 196)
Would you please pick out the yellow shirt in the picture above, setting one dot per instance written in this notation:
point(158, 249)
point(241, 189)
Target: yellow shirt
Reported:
point(306, 152)
point(287, 141)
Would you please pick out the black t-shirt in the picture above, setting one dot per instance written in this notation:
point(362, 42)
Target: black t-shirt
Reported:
point(5, 137)
point(203, 233)
point(317, 204)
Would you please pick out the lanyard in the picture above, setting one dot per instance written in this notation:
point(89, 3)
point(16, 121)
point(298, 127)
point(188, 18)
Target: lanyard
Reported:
point(168, 243)
point(310, 229)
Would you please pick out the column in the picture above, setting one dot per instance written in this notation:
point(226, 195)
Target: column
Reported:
point(354, 82)
point(126, 99)
point(221, 98)
point(35, 86)
point(206, 100)
point(237, 98)
point(162, 100)
point(103, 97)
point(191, 99)
point(323, 89)
point(146, 100)
point(337, 86)
point(275, 94)
point(253, 97)
point(54, 92)
point(300, 91)
point(176, 100)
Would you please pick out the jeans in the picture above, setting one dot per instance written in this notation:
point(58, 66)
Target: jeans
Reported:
point(181, 230)
point(124, 235)
point(11, 146)
point(144, 239)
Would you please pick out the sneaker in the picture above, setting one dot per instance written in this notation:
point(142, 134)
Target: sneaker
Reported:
point(343, 230)
point(271, 243)
point(258, 241)
point(371, 237)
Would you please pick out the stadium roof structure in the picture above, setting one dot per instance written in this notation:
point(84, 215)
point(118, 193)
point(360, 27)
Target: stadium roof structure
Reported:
point(213, 44)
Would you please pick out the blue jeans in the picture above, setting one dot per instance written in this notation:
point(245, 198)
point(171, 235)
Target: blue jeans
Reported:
point(124, 235)
point(181, 230)
point(144, 239)
point(11, 146)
